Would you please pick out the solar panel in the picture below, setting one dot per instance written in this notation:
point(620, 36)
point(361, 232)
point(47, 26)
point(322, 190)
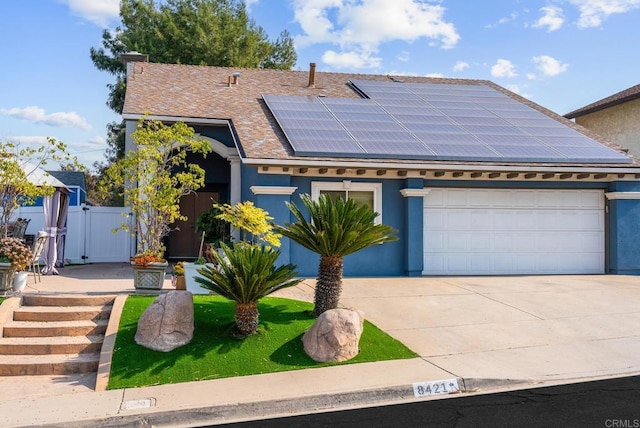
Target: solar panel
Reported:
point(431, 121)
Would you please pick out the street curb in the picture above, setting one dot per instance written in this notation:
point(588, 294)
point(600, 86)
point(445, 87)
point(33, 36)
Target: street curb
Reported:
point(251, 411)
point(230, 413)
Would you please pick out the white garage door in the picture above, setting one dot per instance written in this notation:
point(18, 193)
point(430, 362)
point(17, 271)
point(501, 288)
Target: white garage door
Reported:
point(513, 231)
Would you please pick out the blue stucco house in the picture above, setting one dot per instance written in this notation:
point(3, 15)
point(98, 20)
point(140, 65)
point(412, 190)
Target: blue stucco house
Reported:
point(475, 179)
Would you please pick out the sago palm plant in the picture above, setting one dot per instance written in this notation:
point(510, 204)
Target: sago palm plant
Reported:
point(337, 228)
point(247, 275)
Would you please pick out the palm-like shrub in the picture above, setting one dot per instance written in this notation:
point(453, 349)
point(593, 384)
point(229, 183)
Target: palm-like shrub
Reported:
point(337, 228)
point(247, 275)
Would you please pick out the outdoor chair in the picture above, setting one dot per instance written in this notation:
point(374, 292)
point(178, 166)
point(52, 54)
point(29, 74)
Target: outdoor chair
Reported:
point(38, 248)
point(18, 228)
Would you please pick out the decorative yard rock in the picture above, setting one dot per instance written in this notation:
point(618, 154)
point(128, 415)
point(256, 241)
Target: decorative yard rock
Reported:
point(334, 336)
point(167, 323)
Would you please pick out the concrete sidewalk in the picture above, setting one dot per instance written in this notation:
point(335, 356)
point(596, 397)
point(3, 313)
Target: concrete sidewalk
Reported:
point(488, 333)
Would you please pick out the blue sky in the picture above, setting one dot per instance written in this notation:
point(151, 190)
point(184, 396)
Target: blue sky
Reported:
point(562, 54)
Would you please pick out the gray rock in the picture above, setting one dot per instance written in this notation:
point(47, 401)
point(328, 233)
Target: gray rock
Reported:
point(334, 336)
point(168, 323)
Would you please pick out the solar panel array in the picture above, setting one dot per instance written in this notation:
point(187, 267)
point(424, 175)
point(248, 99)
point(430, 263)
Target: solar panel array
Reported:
point(433, 122)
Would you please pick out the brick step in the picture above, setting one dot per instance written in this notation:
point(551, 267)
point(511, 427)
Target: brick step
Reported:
point(50, 345)
point(62, 313)
point(66, 300)
point(58, 364)
point(54, 328)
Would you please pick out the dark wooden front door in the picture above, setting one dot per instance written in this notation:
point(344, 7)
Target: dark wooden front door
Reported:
point(184, 242)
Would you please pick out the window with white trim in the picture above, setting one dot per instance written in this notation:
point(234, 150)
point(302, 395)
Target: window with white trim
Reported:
point(363, 193)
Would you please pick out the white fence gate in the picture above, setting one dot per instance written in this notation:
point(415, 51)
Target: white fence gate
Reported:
point(90, 237)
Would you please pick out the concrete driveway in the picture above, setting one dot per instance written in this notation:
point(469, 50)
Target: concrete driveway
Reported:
point(530, 328)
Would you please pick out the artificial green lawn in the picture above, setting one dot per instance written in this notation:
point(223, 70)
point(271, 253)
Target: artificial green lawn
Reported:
point(214, 353)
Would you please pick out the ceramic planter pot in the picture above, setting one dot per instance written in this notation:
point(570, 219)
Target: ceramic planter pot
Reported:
point(179, 283)
point(190, 275)
point(6, 277)
point(149, 279)
point(20, 281)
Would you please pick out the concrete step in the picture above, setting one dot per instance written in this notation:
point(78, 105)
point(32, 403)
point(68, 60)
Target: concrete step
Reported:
point(54, 328)
point(62, 313)
point(66, 300)
point(50, 345)
point(58, 364)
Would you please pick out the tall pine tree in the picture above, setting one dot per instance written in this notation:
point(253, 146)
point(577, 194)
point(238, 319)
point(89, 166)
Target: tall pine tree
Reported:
point(217, 32)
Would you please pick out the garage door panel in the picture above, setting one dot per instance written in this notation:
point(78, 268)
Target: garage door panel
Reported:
point(480, 241)
point(456, 242)
point(434, 219)
point(456, 263)
point(503, 263)
point(502, 242)
point(480, 263)
point(457, 220)
point(513, 231)
point(501, 198)
point(591, 200)
point(480, 220)
point(435, 243)
point(456, 198)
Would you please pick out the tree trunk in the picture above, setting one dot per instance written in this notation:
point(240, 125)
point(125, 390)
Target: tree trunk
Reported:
point(247, 318)
point(328, 285)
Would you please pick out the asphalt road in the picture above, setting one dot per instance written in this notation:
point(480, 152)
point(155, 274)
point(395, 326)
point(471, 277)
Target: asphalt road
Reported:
point(612, 403)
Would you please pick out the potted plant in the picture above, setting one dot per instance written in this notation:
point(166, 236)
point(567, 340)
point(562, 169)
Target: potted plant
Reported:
point(178, 276)
point(14, 259)
point(191, 274)
point(154, 175)
point(215, 229)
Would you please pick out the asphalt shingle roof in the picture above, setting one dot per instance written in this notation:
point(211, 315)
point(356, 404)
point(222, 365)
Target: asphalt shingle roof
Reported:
point(628, 94)
point(189, 91)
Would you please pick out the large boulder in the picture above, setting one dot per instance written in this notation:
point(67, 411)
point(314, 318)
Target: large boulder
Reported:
point(167, 323)
point(334, 336)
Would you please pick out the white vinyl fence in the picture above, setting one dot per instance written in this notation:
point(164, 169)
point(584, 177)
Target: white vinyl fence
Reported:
point(90, 237)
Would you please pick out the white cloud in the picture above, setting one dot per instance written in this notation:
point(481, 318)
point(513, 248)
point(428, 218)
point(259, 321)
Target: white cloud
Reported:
point(518, 90)
point(506, 19)
point(401, 73)
point(460, 65)
point(362, 25)
point(87, 152)
point(250, 3)
point(29, 140)
point(531, 76)
point(438, 75)
point(38, 115)
point(503, 68)
point(351, 59)
point(549, 66)
point(552, 18)
point(100, 12)
point(404, 56)
point(593, 12)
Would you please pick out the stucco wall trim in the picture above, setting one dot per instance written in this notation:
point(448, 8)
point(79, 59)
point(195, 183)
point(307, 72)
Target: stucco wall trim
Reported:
point(407, 193)
point(273, 190)
point(622, 195)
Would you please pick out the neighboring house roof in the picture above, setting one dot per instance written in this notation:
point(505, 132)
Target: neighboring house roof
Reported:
point(201, 92)
point(629, 94)
point(39, 176)
point(70, 178)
